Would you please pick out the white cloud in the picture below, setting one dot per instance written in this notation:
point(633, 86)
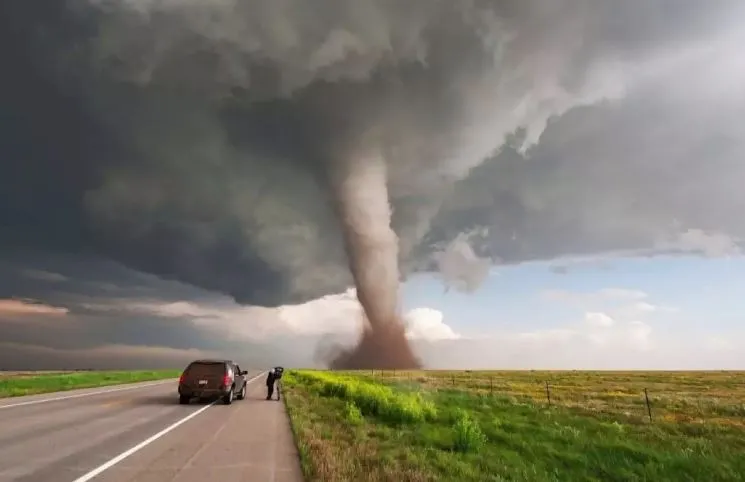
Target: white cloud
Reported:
point(611, 316)
point(621, 294)
point(339, 314)
point(15, 308)
point(176, 309)
point(543, 338)
point(630, 347)
point(644, 307)
point(639, 334)
point(640, 309)
point(596, 319)
point(720, 343)
point(593, 298)
point(428, 324)
point(709, 244)
point(570, 296)
point(616, 302)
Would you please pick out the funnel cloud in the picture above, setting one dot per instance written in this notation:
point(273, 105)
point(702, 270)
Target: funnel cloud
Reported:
point(281, 151)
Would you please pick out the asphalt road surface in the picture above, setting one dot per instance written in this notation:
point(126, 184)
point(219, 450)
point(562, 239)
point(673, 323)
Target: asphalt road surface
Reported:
point(140, 433)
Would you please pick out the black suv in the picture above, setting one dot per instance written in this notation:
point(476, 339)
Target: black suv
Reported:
point(211, 379)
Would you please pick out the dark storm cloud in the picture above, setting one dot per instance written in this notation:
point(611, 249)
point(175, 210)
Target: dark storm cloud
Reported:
point(93, 318)
point(88, 300)
point(95, 313)
point(89, 331)
point(614, 180)
point(187, 139)
point(64, 277)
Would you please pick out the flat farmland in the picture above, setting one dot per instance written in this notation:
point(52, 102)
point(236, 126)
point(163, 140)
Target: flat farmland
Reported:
point(500, 426)
point(713, 396)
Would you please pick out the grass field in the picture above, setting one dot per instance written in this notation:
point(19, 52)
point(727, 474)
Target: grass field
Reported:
point(14, 384)
point(710, 397)
point(498, 426)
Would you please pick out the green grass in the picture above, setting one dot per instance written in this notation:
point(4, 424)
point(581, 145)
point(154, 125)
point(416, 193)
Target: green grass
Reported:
point(355, 427)
point(28, 383)
point(691, 397)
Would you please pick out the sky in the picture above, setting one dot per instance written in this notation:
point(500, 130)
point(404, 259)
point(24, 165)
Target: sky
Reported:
point(633, 309)
point(563, 177)
point(666, 312)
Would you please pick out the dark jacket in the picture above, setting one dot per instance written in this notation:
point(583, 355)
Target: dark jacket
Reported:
point(270, 378)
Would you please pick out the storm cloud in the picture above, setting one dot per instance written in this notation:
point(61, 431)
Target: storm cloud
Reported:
point(191, 140)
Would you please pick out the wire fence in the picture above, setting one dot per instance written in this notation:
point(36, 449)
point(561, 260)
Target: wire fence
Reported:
point(711, 397)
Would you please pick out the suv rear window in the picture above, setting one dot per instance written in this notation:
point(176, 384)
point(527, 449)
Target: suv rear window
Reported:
point(201, 369)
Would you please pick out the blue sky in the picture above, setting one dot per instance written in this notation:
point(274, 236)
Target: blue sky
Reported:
point(707, 294)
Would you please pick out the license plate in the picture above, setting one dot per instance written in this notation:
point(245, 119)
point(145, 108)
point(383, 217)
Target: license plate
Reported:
point(203, 382)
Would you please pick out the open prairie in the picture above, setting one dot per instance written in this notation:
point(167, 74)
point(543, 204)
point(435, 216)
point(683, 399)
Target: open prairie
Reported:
point(488, 425)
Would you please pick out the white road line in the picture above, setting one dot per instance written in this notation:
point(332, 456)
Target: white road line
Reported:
point(87, 394)
point(98, 470)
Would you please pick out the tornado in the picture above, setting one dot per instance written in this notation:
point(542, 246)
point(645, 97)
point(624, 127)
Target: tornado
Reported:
point(360, 188)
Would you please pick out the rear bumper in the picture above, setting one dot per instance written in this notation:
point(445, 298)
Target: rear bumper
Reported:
point(202, 392)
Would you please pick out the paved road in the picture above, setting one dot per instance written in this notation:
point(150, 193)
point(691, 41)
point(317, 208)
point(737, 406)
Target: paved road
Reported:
point(141, 434)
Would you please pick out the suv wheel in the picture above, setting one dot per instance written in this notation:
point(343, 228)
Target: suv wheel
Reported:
point(228, 398)
point(242, 395)
point(183, 400)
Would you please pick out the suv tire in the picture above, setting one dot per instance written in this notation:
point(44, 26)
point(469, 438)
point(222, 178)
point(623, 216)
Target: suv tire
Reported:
point(242, 395)
point(227, 399)
point(183, 400)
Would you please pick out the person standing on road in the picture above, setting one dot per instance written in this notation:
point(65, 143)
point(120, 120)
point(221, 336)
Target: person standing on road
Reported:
point(273, 377)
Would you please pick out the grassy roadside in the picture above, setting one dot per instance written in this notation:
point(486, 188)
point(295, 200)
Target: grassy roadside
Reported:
point(356, 428)
point(31, 384)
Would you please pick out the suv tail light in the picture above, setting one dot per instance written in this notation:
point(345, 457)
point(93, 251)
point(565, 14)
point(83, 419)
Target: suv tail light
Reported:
point(181, 378)
point(226, 381)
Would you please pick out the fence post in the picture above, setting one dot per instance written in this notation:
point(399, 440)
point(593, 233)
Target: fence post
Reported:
point(452, 377)
point(649, 407)
point(491, 385)
point(548, 394)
